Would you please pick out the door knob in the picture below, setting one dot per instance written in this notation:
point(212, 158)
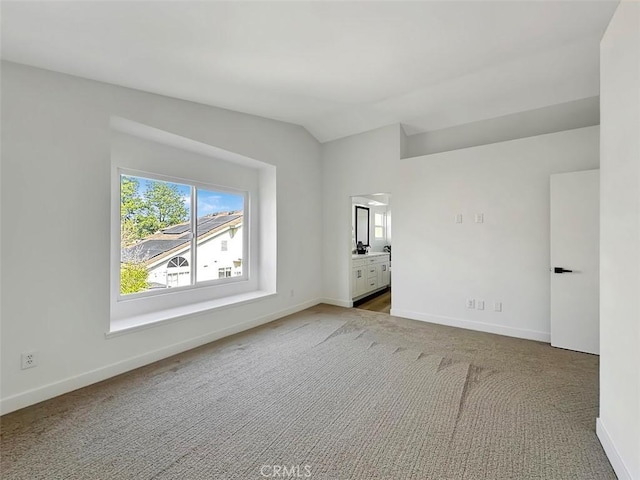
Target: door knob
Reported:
point(561, 270)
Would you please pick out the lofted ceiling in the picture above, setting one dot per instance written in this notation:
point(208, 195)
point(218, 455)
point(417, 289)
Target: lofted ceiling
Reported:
point(336, 68)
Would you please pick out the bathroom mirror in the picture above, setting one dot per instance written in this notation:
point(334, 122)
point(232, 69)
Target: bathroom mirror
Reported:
point(362, 225)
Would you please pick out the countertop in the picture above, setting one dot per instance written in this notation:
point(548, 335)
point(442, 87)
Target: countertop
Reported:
point(355, 256)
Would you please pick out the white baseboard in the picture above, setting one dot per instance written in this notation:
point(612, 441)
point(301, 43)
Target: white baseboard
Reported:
point(36, 395)
point(611, 451)
point(337, 303)
point(471, 325)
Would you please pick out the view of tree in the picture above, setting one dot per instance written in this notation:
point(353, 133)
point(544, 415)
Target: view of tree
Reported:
point(160, 205)
point(130, 206)
point(130, 201)
point(165, 203)
point(133, 278)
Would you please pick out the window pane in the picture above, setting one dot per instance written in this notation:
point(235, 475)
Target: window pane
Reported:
point(220, 237)
point(154, 234)
point(379, 232)
point(379, 220)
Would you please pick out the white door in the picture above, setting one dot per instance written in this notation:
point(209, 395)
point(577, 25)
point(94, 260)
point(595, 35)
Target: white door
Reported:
point(575, 232)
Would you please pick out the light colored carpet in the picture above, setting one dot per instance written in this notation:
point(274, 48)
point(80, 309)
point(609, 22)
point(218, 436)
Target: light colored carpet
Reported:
point(346, 393)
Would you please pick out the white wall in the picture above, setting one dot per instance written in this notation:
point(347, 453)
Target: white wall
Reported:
point(554, 118)
point(55, 224)
point(351, 166)
point(619, 422)
point(437, 264)
point(506, 258)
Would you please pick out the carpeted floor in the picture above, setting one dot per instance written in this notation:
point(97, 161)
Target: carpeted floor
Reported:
point(337, 393)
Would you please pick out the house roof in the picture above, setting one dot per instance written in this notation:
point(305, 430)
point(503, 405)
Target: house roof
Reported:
point(169, 240)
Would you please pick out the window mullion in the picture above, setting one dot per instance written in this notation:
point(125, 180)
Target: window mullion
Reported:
point(194, 234)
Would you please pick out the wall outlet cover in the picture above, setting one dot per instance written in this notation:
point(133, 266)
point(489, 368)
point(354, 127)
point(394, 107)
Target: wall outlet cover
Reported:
point(29, 360)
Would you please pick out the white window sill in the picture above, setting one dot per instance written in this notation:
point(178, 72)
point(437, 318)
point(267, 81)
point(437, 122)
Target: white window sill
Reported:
point(162, 317)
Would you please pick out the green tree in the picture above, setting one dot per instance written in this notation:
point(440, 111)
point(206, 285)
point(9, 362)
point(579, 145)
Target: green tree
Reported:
point(159, 206)
point(133, 278)
point(131, 204)
point(130, 201)
point(163, 206)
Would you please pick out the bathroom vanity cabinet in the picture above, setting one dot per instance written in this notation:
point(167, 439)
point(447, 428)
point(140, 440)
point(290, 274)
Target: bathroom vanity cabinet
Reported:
point(370, 273)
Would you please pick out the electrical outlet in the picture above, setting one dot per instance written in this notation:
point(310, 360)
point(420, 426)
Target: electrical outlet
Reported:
point(29, 360)
point(497, 306)
point(471, 303)
point(480, 304)
point(291, 294)
point(459, 218)
point(479, 218)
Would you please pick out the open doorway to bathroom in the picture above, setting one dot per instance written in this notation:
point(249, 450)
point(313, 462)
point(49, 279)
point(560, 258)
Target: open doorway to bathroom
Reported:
point(371, 252)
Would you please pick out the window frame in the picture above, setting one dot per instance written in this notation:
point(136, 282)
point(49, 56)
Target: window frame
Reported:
point(139, 147)
point(192, 246)
point(177, 257)
point(382, 225)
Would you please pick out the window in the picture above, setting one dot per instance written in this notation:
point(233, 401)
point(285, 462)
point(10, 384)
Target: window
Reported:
point(173, 234)
point(378, 225)
point(228, 196)
point(178, 262)
point(177, 272)
point(224, 272)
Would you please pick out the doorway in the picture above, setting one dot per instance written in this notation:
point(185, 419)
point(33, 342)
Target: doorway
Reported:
point(371, 262)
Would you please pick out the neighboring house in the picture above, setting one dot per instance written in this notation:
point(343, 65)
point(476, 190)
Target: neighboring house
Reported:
point(167, 253)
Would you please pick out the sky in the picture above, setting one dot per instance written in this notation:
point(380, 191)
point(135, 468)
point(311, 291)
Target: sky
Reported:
point(213, 202)
point(209, 201)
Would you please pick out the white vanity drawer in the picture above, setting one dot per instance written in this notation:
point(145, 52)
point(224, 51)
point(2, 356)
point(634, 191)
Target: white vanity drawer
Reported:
point(372, 271)
point(372, 283)
point(358, 262)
